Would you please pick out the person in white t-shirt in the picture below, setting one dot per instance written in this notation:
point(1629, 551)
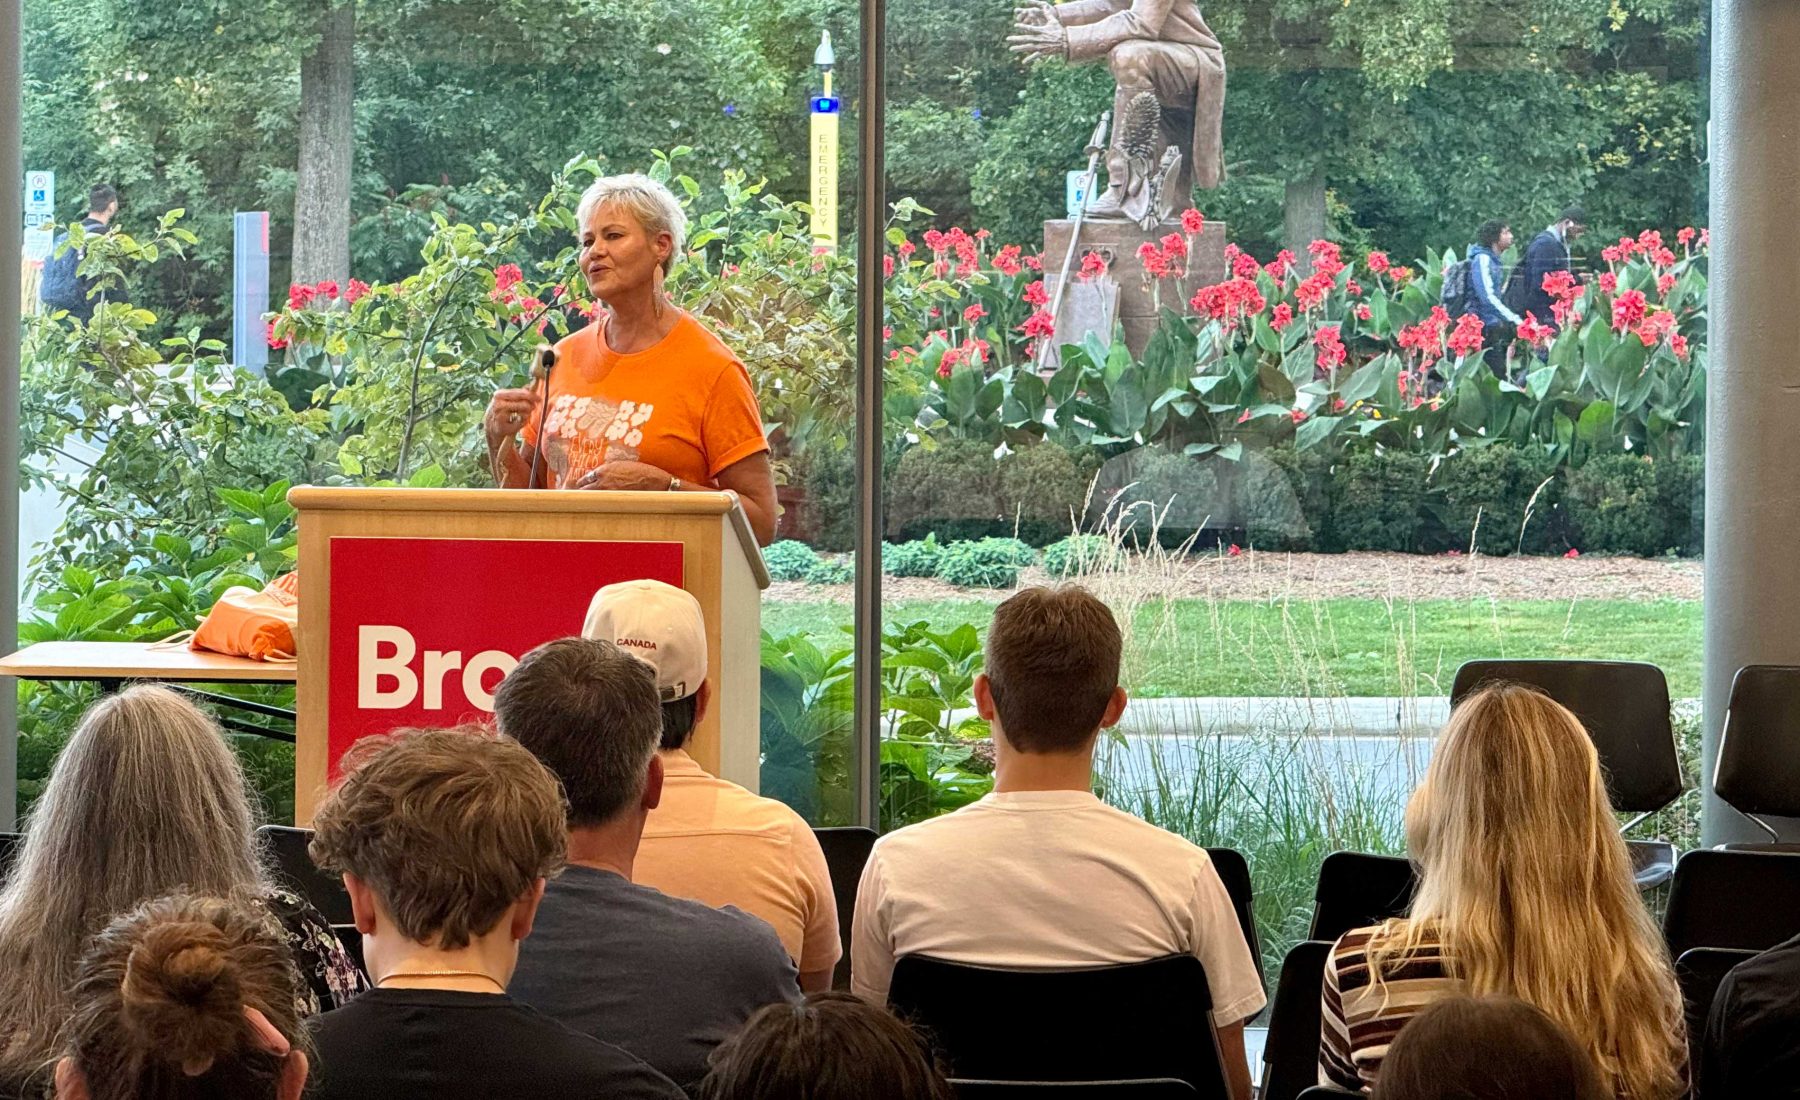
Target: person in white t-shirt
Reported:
point(1041, 873)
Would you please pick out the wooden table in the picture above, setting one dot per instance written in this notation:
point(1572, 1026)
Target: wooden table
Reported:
point(113, 664)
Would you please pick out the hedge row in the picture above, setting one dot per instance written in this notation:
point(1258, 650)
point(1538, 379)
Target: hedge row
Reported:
point(1494, 499)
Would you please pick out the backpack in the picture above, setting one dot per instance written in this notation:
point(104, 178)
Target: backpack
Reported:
point(60, 286)
point(1513, 297)
point(1455, 295)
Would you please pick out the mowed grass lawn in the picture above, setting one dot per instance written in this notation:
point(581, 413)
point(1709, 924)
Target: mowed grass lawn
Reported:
point(1337, 647)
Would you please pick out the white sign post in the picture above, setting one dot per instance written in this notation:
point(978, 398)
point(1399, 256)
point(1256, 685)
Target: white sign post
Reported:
point(40, 213)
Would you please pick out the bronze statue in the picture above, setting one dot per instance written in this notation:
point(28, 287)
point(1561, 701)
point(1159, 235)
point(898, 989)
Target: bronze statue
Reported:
point(1157, 47)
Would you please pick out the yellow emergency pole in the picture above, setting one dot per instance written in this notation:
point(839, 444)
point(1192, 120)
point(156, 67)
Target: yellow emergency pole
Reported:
point(824, 193)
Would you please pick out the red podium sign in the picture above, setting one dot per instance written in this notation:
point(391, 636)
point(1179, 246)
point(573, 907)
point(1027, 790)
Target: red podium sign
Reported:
point(422, 630)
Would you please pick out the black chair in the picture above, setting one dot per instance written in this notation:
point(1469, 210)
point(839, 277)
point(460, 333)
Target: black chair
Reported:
point(9, 850)
point(1744, 900)
point(1326, 1092)
point(295, 868)
point(1234, 872)
point(846, 851)
point(1699, 971)
point(1156, 1088)
point(1624, 706)
point(1357, 889)
point(1128, 1022)
point(1291, 1052)
point(1758, 772)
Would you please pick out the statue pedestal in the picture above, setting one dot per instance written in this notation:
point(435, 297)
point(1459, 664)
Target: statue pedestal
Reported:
point(1118, 241)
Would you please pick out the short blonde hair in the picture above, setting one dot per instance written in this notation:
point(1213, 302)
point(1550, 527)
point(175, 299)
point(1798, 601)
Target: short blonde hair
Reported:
point(651, 203)
point(449, 827)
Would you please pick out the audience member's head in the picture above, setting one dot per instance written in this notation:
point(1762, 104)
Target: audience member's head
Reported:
point(1490, 233)
point(1525, 879)
point(444, 838)
point(1486, 1048)
point(145, 800)
point(662, 626)
point(183, 997)
point(1052, 671)
point(1573, 219)
point(589, 711)
point(832, 1046)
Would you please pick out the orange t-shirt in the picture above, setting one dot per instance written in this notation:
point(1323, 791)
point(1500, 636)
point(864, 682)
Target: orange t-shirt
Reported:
point(683, 405)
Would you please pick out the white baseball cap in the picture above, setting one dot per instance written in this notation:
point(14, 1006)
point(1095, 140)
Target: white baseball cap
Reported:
point(658, 624)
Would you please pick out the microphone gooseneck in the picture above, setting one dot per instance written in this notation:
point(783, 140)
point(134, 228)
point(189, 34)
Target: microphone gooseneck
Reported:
point(546, 362)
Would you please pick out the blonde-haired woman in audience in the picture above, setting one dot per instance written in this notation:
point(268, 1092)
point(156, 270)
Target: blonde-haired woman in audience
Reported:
point(145, 800)
point(1525, 890)
point(184, 999)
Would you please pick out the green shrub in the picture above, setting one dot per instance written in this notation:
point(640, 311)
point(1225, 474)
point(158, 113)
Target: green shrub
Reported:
point(1079, 555)
point(1009, 551)
point(1041, 489)
point(1268, 504)
point(954, 482)
point(829, 477)
point(918, 558)
point(1681, 485)
point(1494, 485)
point(1613, 507)
point(832, 571)
point(789, 560)
point(973, 565)
point(1381, 502)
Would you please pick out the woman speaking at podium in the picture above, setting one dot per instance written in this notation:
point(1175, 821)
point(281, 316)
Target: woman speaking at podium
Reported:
point(645, 398)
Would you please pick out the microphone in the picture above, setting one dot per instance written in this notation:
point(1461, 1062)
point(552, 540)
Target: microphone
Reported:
point(543, 361)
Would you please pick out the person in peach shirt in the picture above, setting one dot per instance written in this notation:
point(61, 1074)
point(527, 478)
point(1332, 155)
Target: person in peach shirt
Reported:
point(710, 840)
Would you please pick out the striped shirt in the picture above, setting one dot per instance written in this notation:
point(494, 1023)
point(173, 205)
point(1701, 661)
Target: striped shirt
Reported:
point(1359, 1022)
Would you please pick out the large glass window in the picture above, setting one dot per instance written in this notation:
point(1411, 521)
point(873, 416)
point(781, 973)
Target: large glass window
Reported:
point(393, 191)
point(1314, 452)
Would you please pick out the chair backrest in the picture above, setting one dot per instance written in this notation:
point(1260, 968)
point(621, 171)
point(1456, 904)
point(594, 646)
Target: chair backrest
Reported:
point(1291, 1052)
point(1699, 971)
point(1326, 1092)
point(846, 851)
point(9, 851)
point(1155, 1088)
point(1124, 1022)
point(295, 868)
point(1357, 889)
point(1234, 872)
point(1625, 707)
point(1758, 771)
point(1745, 900)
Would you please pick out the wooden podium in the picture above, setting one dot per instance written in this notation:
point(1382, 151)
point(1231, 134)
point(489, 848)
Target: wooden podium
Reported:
point(414, 603)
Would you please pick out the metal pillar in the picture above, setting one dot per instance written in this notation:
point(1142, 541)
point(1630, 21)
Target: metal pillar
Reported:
point(12, 224)
point(871, 220)
point(1753, 398)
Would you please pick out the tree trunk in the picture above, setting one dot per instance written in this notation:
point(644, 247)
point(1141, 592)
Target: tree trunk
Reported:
point(1304, 208)
point(327, 147)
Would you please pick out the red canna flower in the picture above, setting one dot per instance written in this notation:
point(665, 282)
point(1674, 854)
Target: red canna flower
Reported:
point(1282, 317)
point(1377, 262)
point(1664, 284)
point(276, 342)
point(974, 313)
point(1093, 265)
point(1236, 550)
point(1609, 283)
point(1572, 554)
point(1193, 223)
point(1035, 294)
point(507, 276)
point(1245, 266)
point(299, 296)
point(1628, 310)
point(907, 248)
point(1331, 348)
point(1039, 325)
point(1244, 417)
point(1466, 339)
point(1007, 262)
point(887, 266)
point(1313, 289)
point(1533, 333)
point(1297, 415)
point(1679, 345)
point(1685, 237)
point(1174, 244)
point(1363, 312)
point(358, 289)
